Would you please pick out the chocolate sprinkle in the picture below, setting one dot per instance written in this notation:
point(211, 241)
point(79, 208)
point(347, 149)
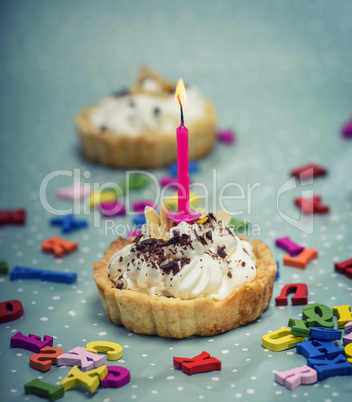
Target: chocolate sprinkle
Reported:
point(221, 252)
point(160, 254)
point(185, 261)
point(170, 266)
point(122, 92)
point(209, 235)
point(202, 240)
point(212, 217)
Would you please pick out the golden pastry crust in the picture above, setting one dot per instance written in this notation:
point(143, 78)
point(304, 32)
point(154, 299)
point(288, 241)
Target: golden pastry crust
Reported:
point(176, 318)
point(164, 87)
point(145, 151)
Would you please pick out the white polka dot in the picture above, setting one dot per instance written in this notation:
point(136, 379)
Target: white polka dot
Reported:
point(215, 378)
point(250, 391)
point(103, 333)
point(170, 377)
point(225, 351)
point(44, 318)
point(179, 388)
point(72, 313)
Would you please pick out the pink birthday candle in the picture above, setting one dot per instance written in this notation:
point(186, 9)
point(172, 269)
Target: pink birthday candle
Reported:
point(184, 213)
point(182, 165)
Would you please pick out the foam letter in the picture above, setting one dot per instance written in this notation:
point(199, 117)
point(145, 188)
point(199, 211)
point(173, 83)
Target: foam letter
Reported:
point(76, 377)
point(45, 358)
point(329, 368)
point(280, 339)
point(343, 314)
point(300, 296)
point(30, 342)
point(297, 376)
point(318, 315)
point(117, 377)
point(80, 357)
point(198, 364)
point(113, 350)
point(348, 352)
point(10, 310)
point(43, 389)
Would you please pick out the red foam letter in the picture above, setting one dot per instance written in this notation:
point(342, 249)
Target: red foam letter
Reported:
point(299, 298)
point(10, 310)
point(198, 364)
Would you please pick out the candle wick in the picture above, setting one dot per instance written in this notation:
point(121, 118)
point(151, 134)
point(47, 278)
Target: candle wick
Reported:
point(179, 101)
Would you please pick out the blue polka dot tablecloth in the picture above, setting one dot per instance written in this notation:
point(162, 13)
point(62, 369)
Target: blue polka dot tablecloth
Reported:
point(279, 74)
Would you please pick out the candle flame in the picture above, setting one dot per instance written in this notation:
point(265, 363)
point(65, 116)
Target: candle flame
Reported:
point(180, 93)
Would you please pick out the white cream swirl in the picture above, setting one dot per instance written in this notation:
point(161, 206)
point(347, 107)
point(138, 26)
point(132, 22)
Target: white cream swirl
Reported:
point(206, 260)
point(133, 115)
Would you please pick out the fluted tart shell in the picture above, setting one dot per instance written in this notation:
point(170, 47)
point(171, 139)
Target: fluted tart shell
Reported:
point(175, 318)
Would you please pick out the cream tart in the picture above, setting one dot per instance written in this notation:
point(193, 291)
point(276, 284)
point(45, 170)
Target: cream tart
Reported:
point(136, 128)
point(195, 279)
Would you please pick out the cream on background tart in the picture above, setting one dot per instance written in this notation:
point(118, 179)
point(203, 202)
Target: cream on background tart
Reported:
point(136, 128)
point(191, 279)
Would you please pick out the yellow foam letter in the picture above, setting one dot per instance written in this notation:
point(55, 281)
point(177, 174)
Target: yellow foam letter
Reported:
point(77, 377)
point(113, 350)
point(280, 339)
point(343, 314)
